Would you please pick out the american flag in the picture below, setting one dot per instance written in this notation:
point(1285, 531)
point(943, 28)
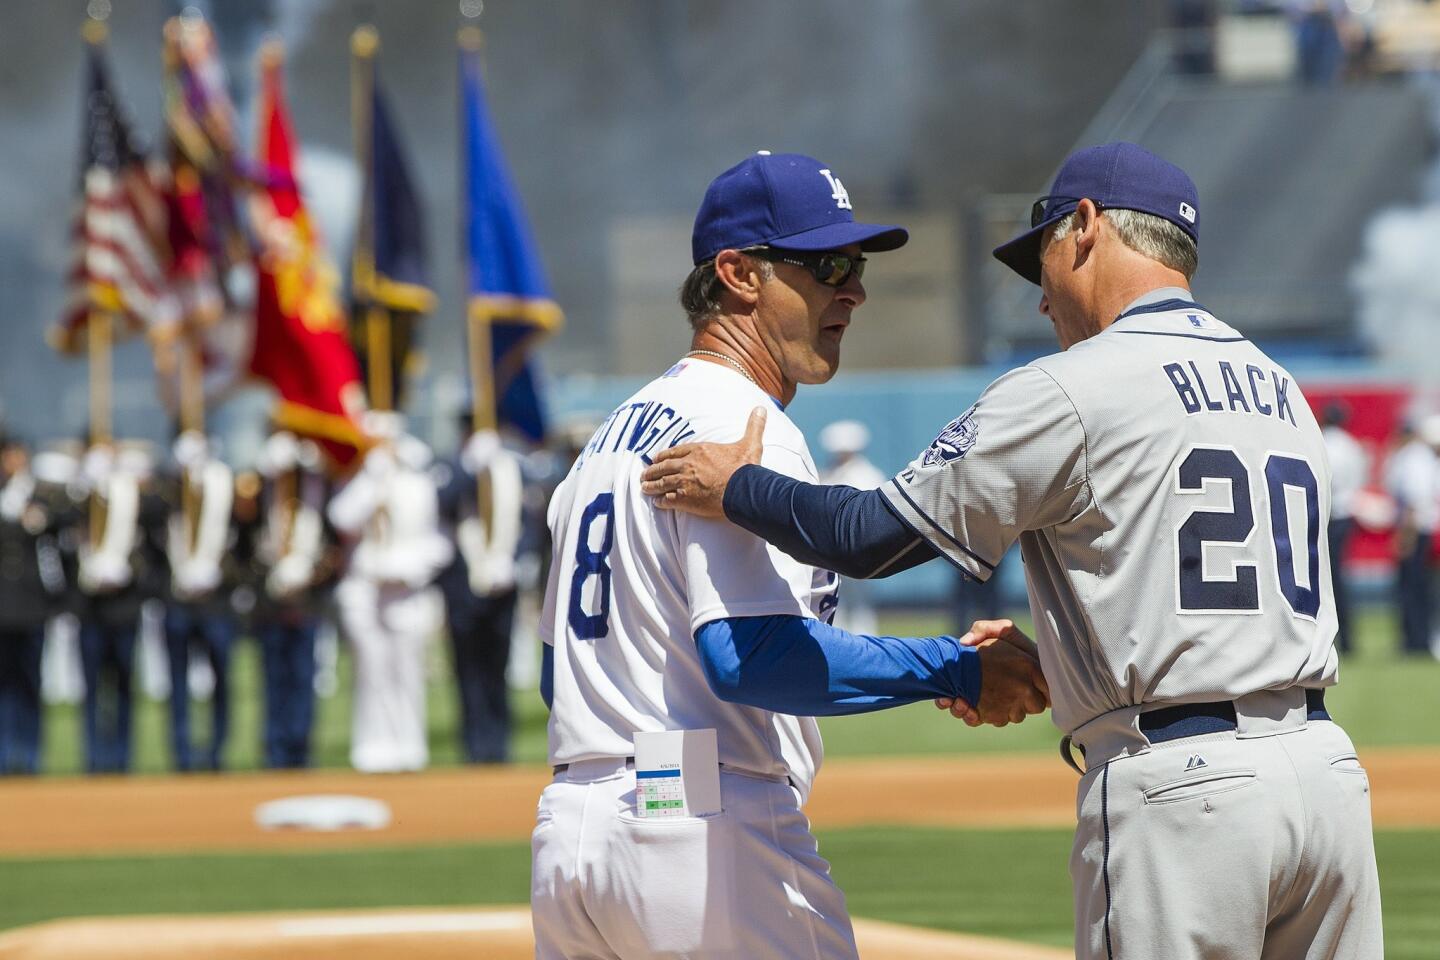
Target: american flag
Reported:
point(120, 250)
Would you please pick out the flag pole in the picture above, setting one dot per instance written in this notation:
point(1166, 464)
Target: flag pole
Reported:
point(478, 326)
point(192, 418)
point(379, 347)
point(98, 337)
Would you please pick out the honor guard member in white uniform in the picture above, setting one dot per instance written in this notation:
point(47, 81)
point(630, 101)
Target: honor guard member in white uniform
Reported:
point(1349, 472)
point(692, 640)
point(120, 564)
point(1168, 486)
point(32, 586)
point(1412, 476)
point(294, 551)
point(480, 585)
point(199, 537)
point(387, 606)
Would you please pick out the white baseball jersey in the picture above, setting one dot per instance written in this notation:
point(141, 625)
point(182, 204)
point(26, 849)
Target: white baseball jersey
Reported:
point(630, 583)
point(1169, 488)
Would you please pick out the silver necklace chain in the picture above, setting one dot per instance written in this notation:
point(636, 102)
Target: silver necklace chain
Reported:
point(728, 359)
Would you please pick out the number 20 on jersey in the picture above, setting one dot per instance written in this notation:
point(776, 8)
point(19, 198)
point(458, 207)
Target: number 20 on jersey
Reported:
point(1202, 587)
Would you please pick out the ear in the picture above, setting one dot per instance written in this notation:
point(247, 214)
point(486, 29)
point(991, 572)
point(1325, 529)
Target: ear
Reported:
point(1086, 229)
point(737, 272)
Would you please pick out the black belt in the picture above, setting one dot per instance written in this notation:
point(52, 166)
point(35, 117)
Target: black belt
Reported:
point(1194, 719)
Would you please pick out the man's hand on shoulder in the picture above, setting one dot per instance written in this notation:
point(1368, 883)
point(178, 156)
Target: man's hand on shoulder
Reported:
point(1013, 686)
point(692, 477)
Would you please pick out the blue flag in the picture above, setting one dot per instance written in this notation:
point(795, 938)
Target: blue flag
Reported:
point(401, 274)
point(508, 291)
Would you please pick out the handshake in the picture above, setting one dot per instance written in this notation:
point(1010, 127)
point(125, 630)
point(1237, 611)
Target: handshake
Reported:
point(1012, 686)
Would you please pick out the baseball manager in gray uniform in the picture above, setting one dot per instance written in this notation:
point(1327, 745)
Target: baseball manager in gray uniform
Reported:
point(1169, 489)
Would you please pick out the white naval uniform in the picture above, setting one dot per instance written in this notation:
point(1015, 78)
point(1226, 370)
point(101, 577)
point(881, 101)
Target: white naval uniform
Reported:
point(629, 585)
point(1169, 488)
point(387, 608)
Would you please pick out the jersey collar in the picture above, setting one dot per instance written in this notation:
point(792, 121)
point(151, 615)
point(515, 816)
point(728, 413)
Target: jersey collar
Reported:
point(1160, 300)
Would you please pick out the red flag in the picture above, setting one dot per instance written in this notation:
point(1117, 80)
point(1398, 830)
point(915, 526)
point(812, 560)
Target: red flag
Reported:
point(301, 345)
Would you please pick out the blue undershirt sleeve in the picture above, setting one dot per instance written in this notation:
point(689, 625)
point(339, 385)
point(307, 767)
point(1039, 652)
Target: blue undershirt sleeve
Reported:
point(807, 668)
point(855, 533)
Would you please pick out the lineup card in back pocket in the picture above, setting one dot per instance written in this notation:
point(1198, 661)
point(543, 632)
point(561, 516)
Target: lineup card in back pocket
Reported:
point(677, 774)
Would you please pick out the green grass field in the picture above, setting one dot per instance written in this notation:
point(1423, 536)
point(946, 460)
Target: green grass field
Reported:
point(1006, 883)
point(1011, 883)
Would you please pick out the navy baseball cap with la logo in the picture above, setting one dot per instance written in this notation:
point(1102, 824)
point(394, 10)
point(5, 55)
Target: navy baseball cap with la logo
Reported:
point(1117, 176)
point(784, 200)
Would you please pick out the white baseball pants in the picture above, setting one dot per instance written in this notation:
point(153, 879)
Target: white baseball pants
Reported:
point(745, 883)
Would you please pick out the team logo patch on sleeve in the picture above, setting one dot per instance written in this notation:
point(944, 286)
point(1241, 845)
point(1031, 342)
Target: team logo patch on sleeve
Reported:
point(954, 441)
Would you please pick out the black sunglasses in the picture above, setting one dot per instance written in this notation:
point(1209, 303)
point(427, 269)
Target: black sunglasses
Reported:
point(830, 268)
point(1037, 209)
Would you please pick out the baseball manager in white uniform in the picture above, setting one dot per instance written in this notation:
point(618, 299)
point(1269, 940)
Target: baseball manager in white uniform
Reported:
point(659, 625)
point(1169, 489)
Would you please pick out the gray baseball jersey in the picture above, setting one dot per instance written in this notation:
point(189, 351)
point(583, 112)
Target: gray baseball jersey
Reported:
point(1169, 488)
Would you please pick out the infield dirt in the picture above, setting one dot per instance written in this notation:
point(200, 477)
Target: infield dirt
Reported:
point(197, 813)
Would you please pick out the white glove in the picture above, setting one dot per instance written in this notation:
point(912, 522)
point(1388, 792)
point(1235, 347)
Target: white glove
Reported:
point(280, 453)
point(102, 573)
point(196, 578)
point(412, 453)
point(380, 462)
point(480, 450)
point(291, 575)
point(190, 448)
point(95, 468)
point(494, 575)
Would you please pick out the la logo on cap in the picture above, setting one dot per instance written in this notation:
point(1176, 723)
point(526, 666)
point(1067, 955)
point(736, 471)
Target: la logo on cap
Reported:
point(1187, 211)
point(838, 192)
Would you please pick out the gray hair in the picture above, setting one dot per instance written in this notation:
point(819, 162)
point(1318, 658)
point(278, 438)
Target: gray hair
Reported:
point(702, 291)
point(1148, 235)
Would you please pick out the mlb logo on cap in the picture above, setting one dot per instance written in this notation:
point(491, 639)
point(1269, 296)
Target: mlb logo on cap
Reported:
point(785, 200)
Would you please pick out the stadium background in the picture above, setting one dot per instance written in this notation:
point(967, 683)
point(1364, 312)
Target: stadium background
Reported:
point(1321, 232)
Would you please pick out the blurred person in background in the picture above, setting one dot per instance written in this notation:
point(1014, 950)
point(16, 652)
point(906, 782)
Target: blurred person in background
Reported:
point(31, 585)
point(846, 442)
point(1412, 477)
point(1349, 469)
point(56, 468)
point(119, 564)
point(1319, 49)
point(389, 511)
point(480, 585)
point(198, 616)
point(294, 555)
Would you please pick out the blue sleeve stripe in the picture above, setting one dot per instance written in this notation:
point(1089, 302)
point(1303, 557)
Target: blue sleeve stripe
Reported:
point(938, 529)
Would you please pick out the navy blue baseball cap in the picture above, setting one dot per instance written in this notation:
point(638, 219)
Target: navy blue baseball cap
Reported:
point(1116, 176)
point(784, 200)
